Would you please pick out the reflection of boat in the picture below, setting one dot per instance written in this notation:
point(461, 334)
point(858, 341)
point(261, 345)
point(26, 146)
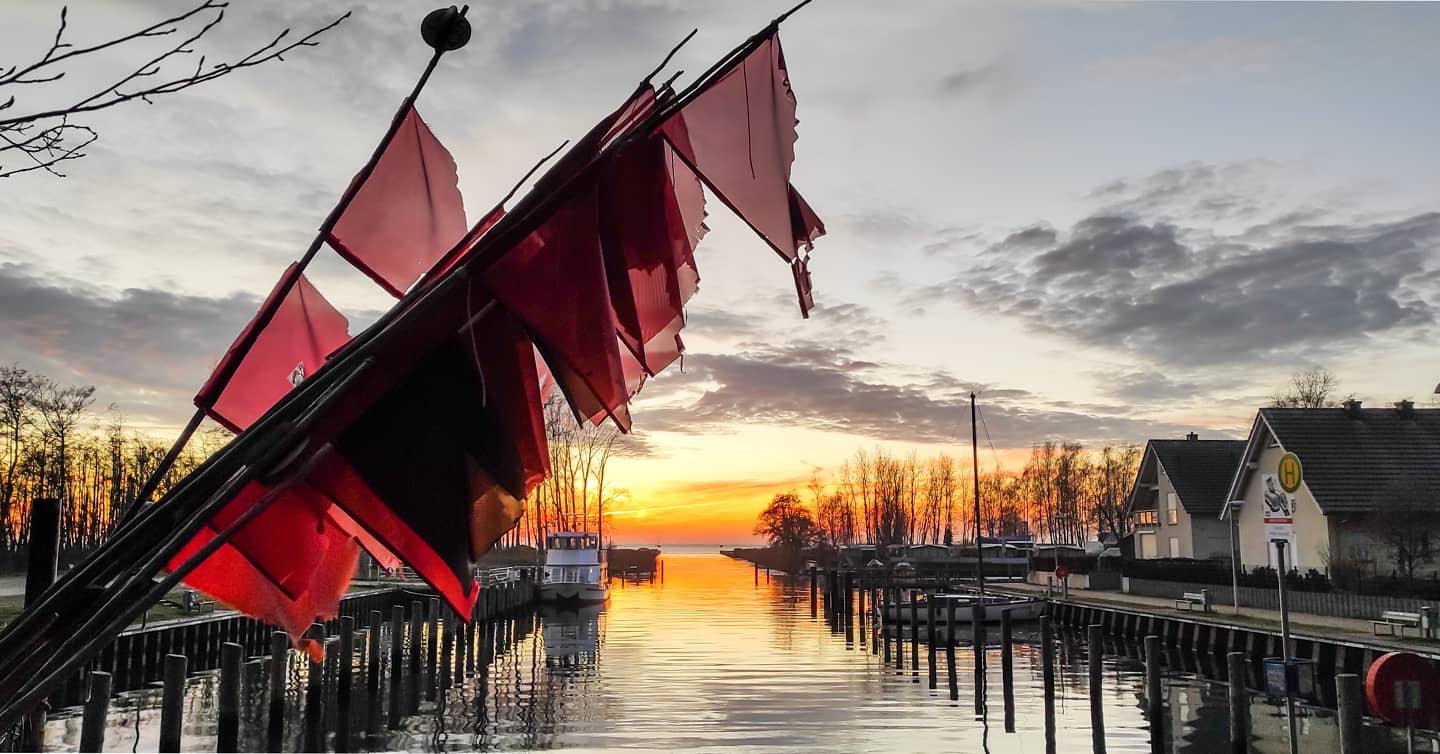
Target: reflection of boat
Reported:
point(574, 568)
point(571, 633)
point(1020, 609)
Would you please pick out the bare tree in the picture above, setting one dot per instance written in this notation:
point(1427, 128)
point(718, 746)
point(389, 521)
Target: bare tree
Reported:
point(1309, 388)
point(18, 392)
point(1405, 517)
point(61, 409)
point(42, 137)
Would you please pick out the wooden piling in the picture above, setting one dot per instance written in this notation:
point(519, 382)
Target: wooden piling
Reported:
point(914, 635)
point(1239, 702)
point(1095, 659)
point(374, 663)
point(1349, 702)
point(447, 650)
point(432, 647)
point(172, 703)
point(42, 564)
point(950, 649)
point(930, 616)
point(884, 630)
point(345, 675)
point(279, 657)
point(1154, 703)
point(417, 668)
point(1047, 662)
point(977, 634)
point(315, 696)
point(397, 662)
point(227, 721)
point(97, 707)
point(1007, 670)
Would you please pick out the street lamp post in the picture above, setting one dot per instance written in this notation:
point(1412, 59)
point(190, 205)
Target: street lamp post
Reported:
point(1233, 508)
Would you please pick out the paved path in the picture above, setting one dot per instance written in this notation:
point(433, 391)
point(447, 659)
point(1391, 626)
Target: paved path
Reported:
point(1351, 630)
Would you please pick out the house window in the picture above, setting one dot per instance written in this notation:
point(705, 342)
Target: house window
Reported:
point(1175, 547)
point(1146, 518)
point(1173, 508)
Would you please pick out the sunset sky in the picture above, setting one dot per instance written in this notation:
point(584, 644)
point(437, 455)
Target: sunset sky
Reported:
point(1115, 221)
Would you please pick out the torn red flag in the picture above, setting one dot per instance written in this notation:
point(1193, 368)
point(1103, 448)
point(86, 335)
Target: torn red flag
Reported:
point(407, 214)
point(301, 332)
point(739, 135)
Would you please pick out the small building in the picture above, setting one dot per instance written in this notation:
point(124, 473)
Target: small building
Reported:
point(1352, 458)
point(928, 553)
point(1177, 497)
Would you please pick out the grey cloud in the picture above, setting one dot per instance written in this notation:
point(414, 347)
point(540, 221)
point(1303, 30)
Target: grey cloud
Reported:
point(1124, 283)
point(970, 81)
point(829, 388)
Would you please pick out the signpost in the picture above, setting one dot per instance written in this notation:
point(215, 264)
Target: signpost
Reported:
point(1280, 531)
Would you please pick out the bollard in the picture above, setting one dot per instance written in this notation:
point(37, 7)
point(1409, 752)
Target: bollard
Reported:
point(314, 725)
point(1239, 703)
point(417, 668)
point(1007, 670)
point(1349, 702)
point(1047, 661)
point(930, 616)
point(432, 647)
point(915, 634)
point(1097, 710)
point(343, 679)
point(373, 670)
point(97, 706)
point(1154, 705)
point(397, 662)
point(172, 703)
point(227, 720)
point(279, 656)
point(977, 629)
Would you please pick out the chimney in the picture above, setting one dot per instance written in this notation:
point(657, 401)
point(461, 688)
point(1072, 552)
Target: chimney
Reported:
point(1406, 409)
point(1352, 408)
point(1192, 436)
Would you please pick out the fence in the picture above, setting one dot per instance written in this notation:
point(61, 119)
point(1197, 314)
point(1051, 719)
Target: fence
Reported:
point(1338, 604)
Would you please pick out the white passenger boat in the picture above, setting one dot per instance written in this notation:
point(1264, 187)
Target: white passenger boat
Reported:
point(574, 568)
point(1021, 609)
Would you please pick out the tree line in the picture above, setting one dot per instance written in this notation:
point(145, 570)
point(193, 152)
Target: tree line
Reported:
point(1062, 493)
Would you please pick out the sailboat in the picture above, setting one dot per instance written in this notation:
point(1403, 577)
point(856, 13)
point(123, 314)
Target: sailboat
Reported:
point(1020, 608)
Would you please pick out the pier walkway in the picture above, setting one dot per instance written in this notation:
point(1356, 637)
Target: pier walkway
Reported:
point(1302, 625)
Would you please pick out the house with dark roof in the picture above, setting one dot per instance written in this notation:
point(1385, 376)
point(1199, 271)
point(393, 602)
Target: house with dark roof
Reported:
point(1179, 490)
point(1351, 457)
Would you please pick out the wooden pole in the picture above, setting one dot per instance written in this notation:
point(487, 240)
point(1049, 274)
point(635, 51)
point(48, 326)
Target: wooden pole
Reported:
point(888, 608)
point(227, 722)
point(344, 678)
point(1240, 703)
point(977, 633)
point(42, 564)
point(1350, 703)
point(1047, 660)
point(97, 708)
point(950, 669)
point(279, 660)
point(930, 616)
point(1007, 670)
point(447, 650)
point(915, 635)
point(315, 696)
point(432, 647)
point(417, 668)
point(1154, 703)
point(172, 703)
point(1095, 660)
point(374, 663)
point(397, 662)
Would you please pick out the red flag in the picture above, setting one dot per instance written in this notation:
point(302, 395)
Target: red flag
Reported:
point(303, 330)
point(739, 135)
point(407, 214)
point(462, 251)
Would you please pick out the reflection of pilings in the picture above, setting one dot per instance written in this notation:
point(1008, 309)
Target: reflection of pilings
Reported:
point(880, 624)
point(432, 646)
point(314, 726)
point(1047, 663)
point(930, 638)
point(1095, 658)
point(97, 706)
point(915, 635)
point(416, 669)
point(397, 662)
point(172, 703)
point(374, 666)
point(950, 649)
point(1007, 670)
point(977, 634)
point(279, 659)
point(1154, 701)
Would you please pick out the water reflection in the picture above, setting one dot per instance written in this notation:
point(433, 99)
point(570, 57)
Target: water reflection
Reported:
point(710, 658)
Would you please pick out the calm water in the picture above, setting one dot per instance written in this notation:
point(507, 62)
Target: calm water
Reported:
point(710, 659)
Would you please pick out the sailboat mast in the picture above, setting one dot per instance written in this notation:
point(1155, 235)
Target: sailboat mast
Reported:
point(975, 475)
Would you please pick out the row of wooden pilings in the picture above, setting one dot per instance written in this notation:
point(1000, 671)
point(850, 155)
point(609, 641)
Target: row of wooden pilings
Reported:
point(420, 651)
point(845, 603)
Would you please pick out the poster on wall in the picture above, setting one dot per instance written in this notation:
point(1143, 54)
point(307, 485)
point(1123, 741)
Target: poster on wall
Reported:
point(1279, 510)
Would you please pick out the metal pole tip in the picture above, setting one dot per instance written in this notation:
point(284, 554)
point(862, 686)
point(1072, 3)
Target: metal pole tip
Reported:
point(445, 29)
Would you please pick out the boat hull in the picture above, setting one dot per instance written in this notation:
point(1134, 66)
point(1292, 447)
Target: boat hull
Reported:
point(572, 592)
point(1020, 610)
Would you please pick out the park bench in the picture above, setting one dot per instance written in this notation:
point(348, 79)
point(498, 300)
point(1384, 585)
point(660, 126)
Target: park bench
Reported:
point(193, 604)
point(1396, 621)
point(1190, 600)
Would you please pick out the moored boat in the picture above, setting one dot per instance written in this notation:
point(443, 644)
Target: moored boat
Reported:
point(574, 568)
point(1021, 609)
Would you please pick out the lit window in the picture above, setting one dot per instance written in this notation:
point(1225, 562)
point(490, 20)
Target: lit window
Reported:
point(1145, 518)
point(1173, 508)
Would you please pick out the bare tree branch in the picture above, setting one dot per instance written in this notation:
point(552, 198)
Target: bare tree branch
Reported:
point(62, 141)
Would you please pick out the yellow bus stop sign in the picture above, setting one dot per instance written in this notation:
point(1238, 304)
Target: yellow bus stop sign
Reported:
point(1290, 472)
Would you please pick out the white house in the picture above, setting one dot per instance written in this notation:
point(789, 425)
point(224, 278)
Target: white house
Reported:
point(1178, 493)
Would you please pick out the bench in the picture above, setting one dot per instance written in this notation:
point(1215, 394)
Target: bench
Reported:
point(1190, 600)
point(193, 603)
point(1396, 620)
